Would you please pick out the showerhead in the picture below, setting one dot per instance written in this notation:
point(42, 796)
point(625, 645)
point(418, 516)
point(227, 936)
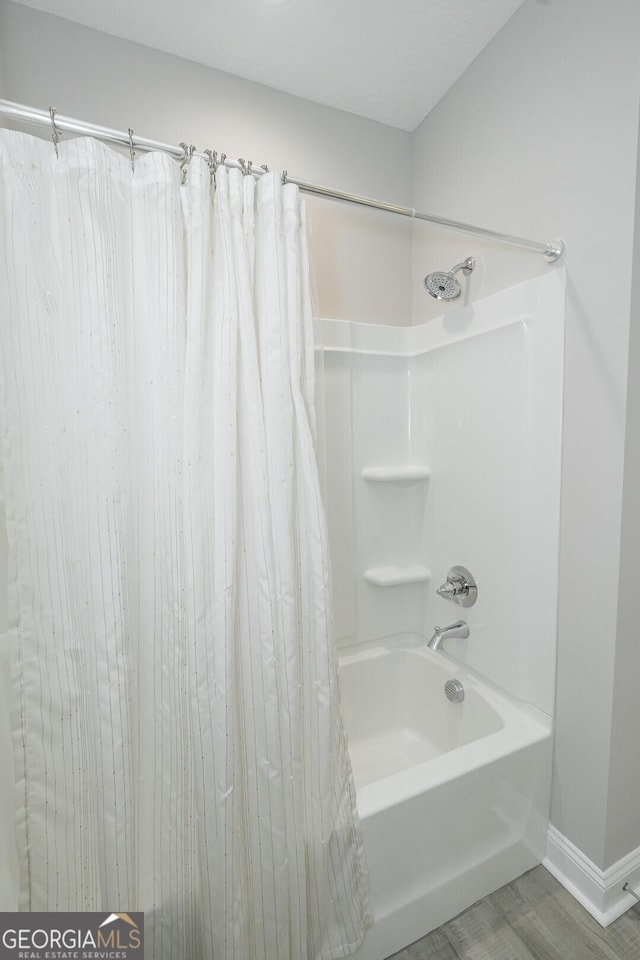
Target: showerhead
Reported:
point(445, 286)
point(442, 286)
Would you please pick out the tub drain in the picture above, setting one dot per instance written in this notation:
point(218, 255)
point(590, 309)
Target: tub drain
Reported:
point(454, 691)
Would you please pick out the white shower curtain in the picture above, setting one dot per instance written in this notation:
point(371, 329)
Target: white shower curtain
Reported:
point(178, 742)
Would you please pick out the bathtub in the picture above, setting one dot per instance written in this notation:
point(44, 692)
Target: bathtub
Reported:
point(453, 797)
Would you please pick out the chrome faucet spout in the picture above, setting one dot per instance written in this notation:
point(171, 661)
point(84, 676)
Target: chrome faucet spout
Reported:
point(457, 629)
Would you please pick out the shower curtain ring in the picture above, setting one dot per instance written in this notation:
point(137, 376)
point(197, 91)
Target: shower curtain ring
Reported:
point(285, 179)
point(212, 160)
point(132, 152)
point(55, 136)
point(188, 153)
point(264, 167)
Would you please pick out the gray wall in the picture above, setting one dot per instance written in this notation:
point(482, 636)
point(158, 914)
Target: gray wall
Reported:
point(623, 811)
point(362, 258)
point(539, 138)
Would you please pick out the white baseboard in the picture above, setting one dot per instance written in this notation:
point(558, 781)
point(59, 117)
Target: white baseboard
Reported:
point(599, 891)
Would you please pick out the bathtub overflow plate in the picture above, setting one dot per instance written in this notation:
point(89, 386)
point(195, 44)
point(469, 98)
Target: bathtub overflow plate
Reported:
point(454, 691)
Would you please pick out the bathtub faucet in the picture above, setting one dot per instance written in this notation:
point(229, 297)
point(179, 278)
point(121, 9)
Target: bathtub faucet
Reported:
point(457, 629)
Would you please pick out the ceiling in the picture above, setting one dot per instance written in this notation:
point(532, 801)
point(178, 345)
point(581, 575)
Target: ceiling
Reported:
point(388, 60)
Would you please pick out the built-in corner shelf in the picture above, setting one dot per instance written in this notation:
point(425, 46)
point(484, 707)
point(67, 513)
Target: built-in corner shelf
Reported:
point(398, 474)
point(396, 576)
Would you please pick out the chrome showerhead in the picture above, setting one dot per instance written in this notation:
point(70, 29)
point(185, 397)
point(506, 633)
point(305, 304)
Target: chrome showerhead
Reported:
point(445, 286)
point(442, 286)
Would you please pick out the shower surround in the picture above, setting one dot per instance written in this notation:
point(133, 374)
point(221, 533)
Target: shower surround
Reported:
point(442, 446)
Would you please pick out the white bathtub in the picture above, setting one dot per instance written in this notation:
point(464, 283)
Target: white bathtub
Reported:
point(453, 797)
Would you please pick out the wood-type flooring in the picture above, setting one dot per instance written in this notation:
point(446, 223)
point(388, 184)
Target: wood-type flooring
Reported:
point(533, 918)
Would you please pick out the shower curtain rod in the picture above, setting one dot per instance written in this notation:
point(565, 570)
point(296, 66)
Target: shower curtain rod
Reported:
point(551, 251)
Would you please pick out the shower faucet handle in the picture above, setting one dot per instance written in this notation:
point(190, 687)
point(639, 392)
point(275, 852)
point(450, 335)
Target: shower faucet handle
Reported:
point(449, 590)
point(460, 587)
